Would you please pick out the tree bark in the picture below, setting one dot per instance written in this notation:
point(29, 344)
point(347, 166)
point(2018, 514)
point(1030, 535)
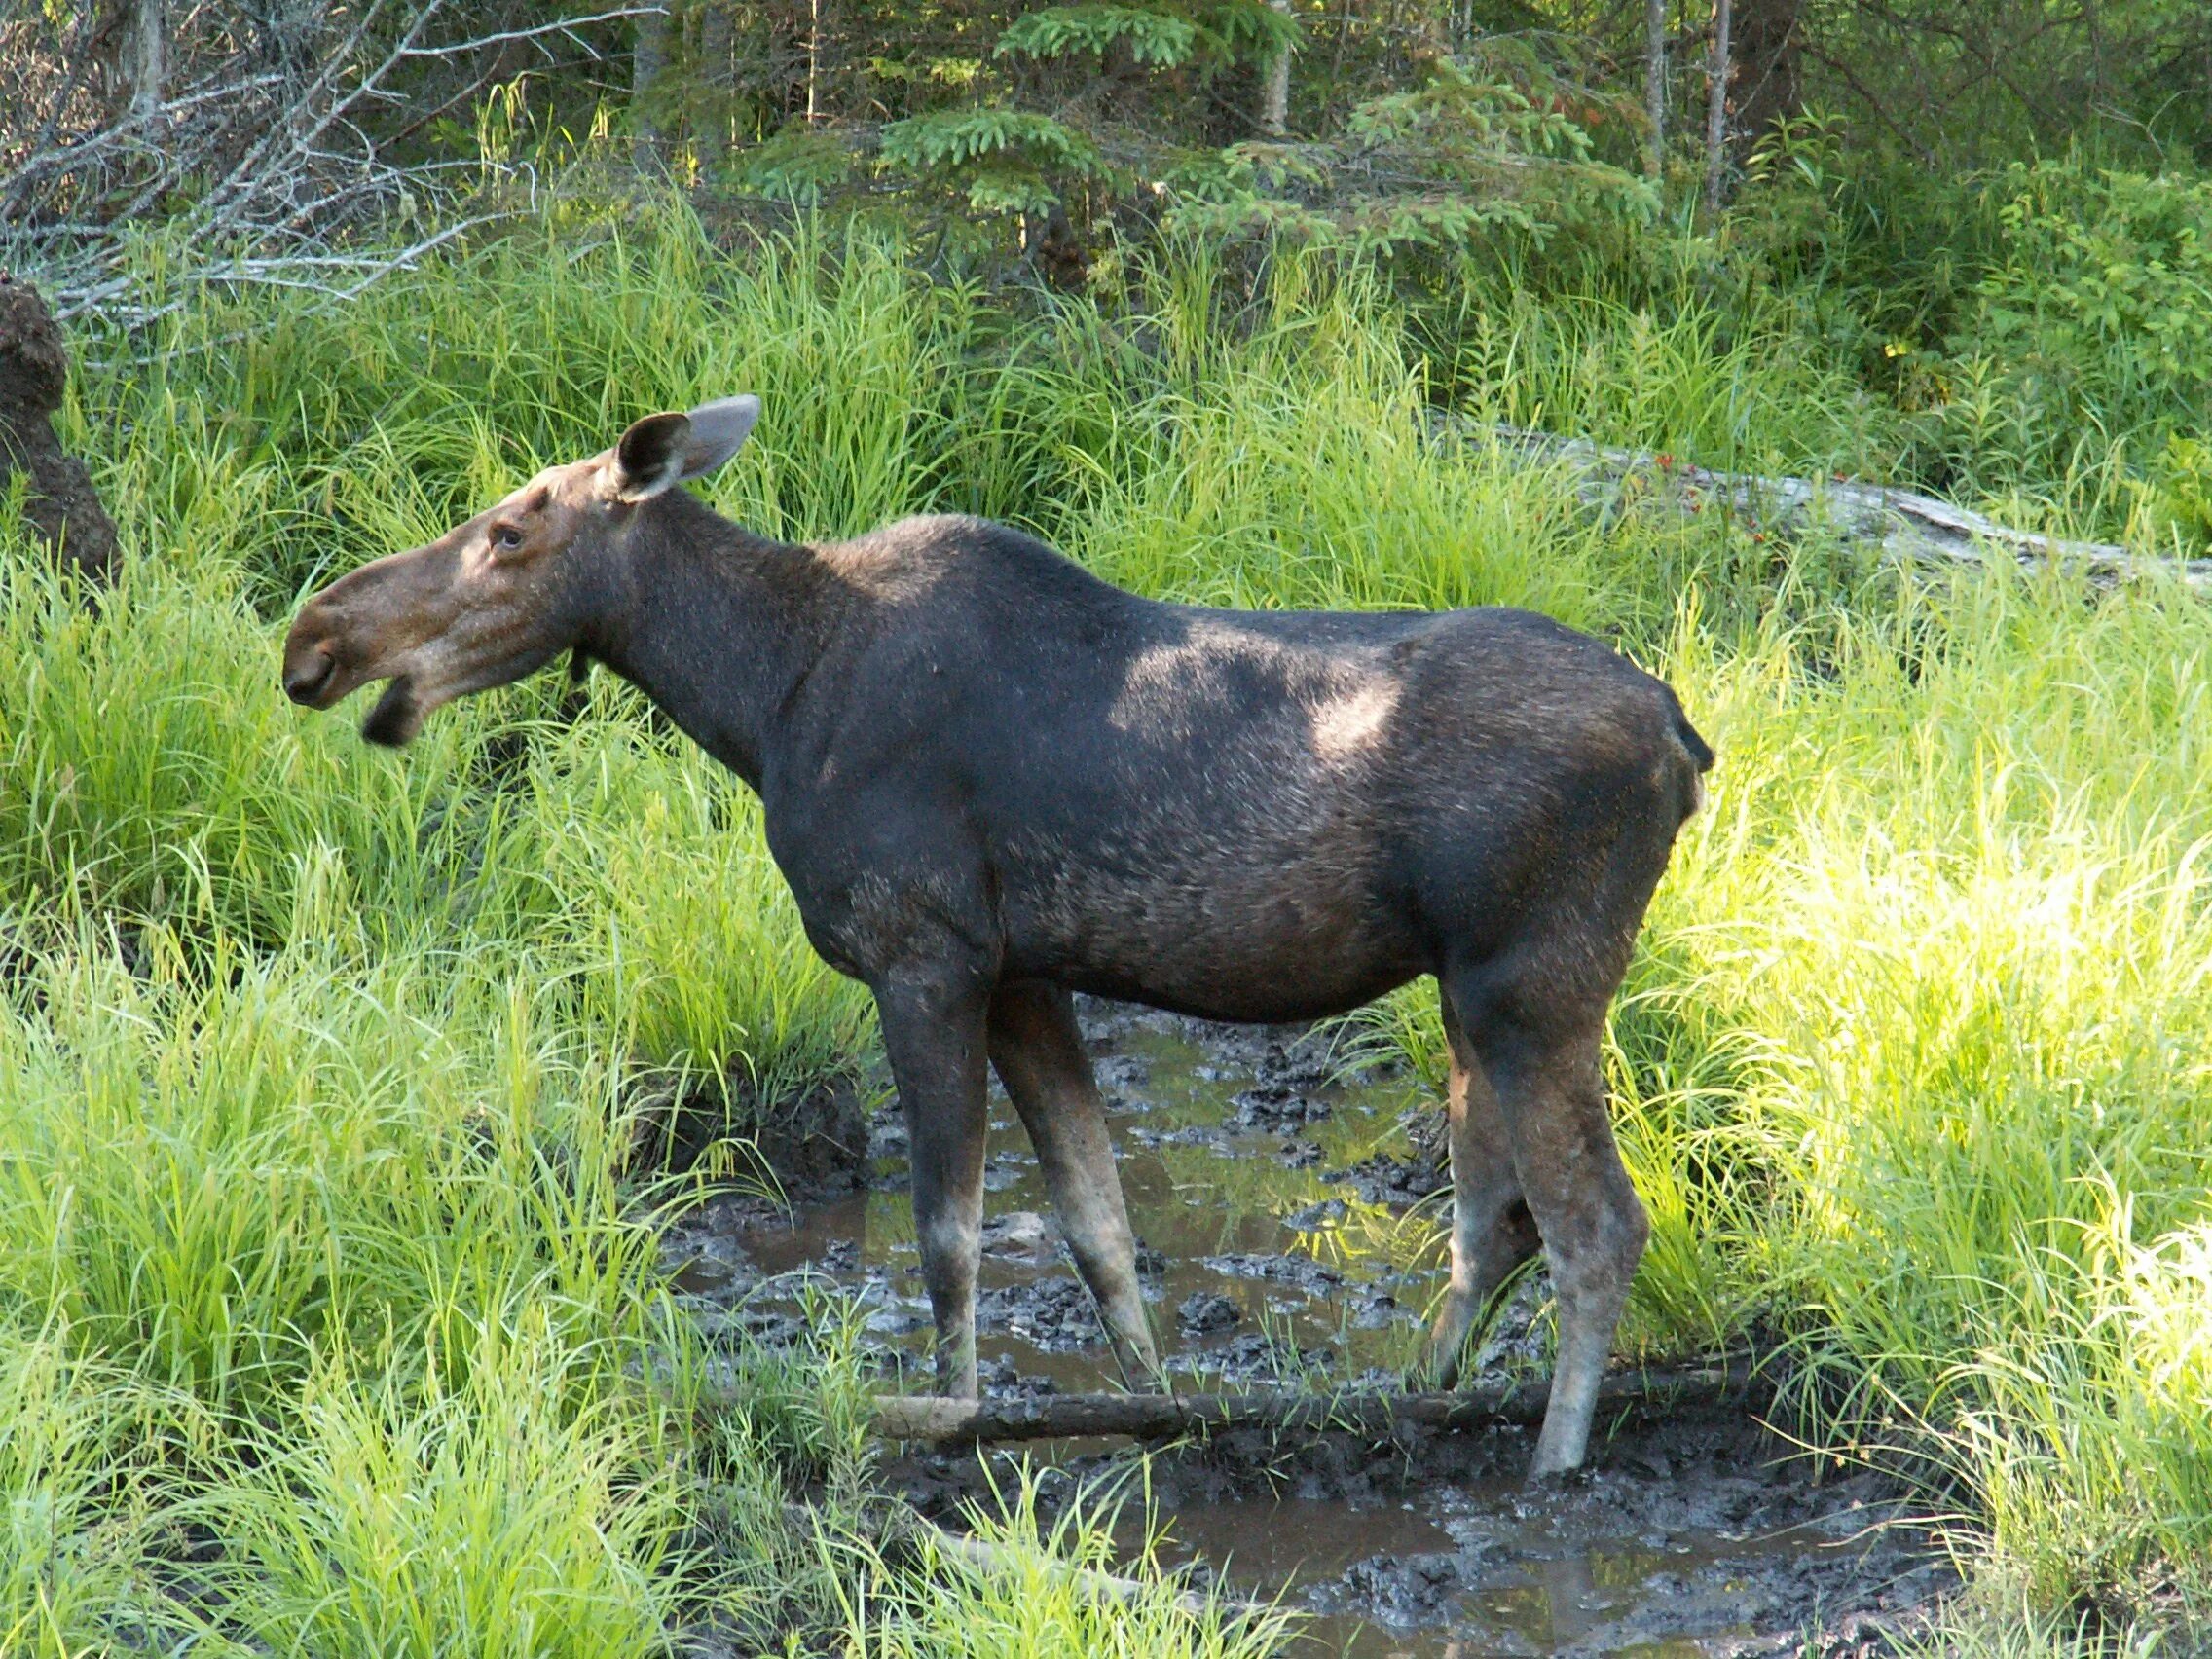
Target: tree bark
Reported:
point(815, 15)
point(1717, 111)
point(717, 66)
point(61, 507)
point(648, 61)
point(1054, 1417)
point(1274, 97)
point(1897, 525)
point(149, 55)
point(1768, 77)
point(1655, 83)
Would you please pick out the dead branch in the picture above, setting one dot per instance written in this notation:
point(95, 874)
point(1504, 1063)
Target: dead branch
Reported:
point(305, 177)
point(1157, 1416)
point(564, 26)
point(1902, 525)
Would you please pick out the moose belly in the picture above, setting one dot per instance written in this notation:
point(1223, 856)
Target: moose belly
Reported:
point(1250, 938)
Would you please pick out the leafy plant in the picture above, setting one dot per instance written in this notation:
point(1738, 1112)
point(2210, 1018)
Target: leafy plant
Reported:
point(801, 164)
point(1006, 160)
point(1057, 31)
point(1469, 156)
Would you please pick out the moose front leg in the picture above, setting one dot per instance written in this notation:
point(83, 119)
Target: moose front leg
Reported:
point(934, 1032)
point(1040, 1057)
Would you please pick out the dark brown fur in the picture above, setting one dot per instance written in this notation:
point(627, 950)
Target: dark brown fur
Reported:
point(62, 505)
point(993, 780)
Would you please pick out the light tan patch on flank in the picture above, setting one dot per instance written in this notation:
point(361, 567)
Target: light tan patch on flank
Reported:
point(1351, 724)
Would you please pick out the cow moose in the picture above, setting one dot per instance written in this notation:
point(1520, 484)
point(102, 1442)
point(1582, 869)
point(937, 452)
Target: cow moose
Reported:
point(993, 780)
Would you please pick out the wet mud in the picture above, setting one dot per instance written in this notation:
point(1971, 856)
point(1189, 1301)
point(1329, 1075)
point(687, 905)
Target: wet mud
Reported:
point(1289, 1218)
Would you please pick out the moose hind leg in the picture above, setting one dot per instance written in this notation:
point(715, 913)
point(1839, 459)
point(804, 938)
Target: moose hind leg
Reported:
point(1591, 1222)
point(1492, 1231)
point(933, 1033)
point(1040, 1057)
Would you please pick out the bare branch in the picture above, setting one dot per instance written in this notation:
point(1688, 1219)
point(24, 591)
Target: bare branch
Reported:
point(565, 26)
point(300, 168)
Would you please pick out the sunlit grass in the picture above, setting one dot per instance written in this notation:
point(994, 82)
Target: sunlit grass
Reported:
point(489, 1516)
point(1024, 1604)
point(79, 1481)
point(255, 1163)
point(687, 948)
point(316, 1062)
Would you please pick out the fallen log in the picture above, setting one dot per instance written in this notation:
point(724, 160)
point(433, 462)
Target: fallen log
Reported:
point(938, 1420)
point(1902, 525)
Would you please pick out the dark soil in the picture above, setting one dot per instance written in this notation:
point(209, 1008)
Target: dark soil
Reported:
point(1290, 1220)
point(802, 1149)
point(1692, 1533)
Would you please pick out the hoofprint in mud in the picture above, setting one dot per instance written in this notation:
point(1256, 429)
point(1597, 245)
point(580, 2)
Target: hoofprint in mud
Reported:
point(1308, 1254)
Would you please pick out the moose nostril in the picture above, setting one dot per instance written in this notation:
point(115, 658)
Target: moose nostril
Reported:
point(302, 681)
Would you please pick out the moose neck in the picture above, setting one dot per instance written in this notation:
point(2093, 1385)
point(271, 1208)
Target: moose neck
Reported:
point(717, 625)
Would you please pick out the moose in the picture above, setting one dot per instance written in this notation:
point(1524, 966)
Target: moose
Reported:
point(993, 780)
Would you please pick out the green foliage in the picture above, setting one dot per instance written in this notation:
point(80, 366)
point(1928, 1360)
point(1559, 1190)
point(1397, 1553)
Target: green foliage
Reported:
point(316, 1064)
point(687, 952)
point(1467, 160)
point(800, 164)
point(487, 1517)
point(259, 1166)
point(2040, 336)
point(2177, 496)
point(1243, 31)
point(1009, 160)
point(1023, 1603)
point(1056, 31)
point(2123, 1342)
point(2095, 313)
point(79, 1473)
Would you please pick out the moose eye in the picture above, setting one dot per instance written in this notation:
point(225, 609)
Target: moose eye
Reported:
point(507, 538)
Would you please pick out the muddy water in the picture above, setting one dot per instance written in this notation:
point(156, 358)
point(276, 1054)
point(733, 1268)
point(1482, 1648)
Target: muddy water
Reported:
point(1290, 1229)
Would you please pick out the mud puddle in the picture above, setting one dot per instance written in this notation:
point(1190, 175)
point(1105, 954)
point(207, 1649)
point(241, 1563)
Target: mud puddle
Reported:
point(1289, 1229)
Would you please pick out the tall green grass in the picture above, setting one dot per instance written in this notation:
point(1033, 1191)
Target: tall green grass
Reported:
point(1949, 928)
point(1023, 1603)
point(316, 1063)
point(78, 1470)
point(481, 1518)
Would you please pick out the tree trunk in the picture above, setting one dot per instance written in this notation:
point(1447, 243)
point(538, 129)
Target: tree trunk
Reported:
point(816, 11)
point(648, 58)
point(149, 55)
point(1274, 97)
point(1768, 76)
point(718, 69)
point(1655, 83)
point(1894, 526)
point(1717, 111)
point(60, 505)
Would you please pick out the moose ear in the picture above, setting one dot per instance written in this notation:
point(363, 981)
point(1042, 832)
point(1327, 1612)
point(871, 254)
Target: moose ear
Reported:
point(718, 430)
point(649, 458)
point(661, 451)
